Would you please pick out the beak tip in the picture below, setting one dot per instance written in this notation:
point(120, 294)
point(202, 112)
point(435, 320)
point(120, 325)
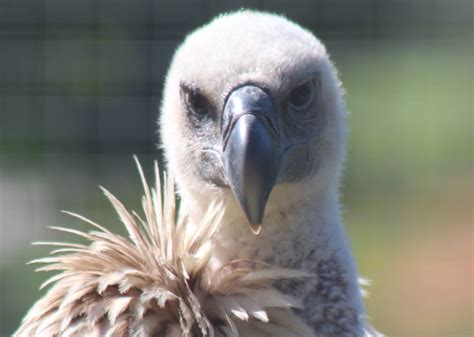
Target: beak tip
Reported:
point(256, 228)
point(254, 212)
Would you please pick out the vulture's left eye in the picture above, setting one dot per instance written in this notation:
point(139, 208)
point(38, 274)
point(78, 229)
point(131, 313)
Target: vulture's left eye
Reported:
point(196, 102)
point(301, 96)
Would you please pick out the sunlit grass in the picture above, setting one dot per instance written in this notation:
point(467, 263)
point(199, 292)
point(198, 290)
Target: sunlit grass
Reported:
point(409, 187)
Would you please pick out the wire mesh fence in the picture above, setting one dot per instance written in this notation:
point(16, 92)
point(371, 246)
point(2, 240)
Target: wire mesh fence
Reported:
point(86, 76)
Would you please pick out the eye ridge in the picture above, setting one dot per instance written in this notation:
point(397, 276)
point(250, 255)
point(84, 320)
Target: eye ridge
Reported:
point(302, 95)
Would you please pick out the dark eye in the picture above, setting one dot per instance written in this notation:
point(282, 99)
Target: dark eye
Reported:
point(195, 102)
point(302, 95)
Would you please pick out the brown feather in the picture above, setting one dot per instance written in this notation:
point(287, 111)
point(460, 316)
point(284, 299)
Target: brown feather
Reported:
point(158, 282)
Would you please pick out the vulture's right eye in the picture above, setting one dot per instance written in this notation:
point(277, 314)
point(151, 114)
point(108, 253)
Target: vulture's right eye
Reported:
point(195, 102)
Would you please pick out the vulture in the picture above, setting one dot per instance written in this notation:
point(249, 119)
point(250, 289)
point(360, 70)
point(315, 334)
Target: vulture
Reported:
point(253, 119)
point(253, 128)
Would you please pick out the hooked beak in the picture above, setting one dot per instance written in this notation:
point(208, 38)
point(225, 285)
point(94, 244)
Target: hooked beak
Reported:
point(251, 151)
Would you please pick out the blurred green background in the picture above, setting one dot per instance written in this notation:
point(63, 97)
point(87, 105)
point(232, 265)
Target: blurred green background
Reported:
point(80, 85)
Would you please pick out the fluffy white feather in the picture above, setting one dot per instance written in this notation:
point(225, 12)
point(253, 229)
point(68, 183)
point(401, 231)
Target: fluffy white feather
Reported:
point(160, 281)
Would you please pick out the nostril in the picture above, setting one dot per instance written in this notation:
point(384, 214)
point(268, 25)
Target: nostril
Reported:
point(247, 99)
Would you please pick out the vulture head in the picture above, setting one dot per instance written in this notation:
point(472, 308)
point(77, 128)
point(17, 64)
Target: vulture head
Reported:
point(253, 116)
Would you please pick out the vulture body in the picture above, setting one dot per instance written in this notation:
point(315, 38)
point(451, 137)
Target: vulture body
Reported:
point(253, 119)
point(158, 282)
